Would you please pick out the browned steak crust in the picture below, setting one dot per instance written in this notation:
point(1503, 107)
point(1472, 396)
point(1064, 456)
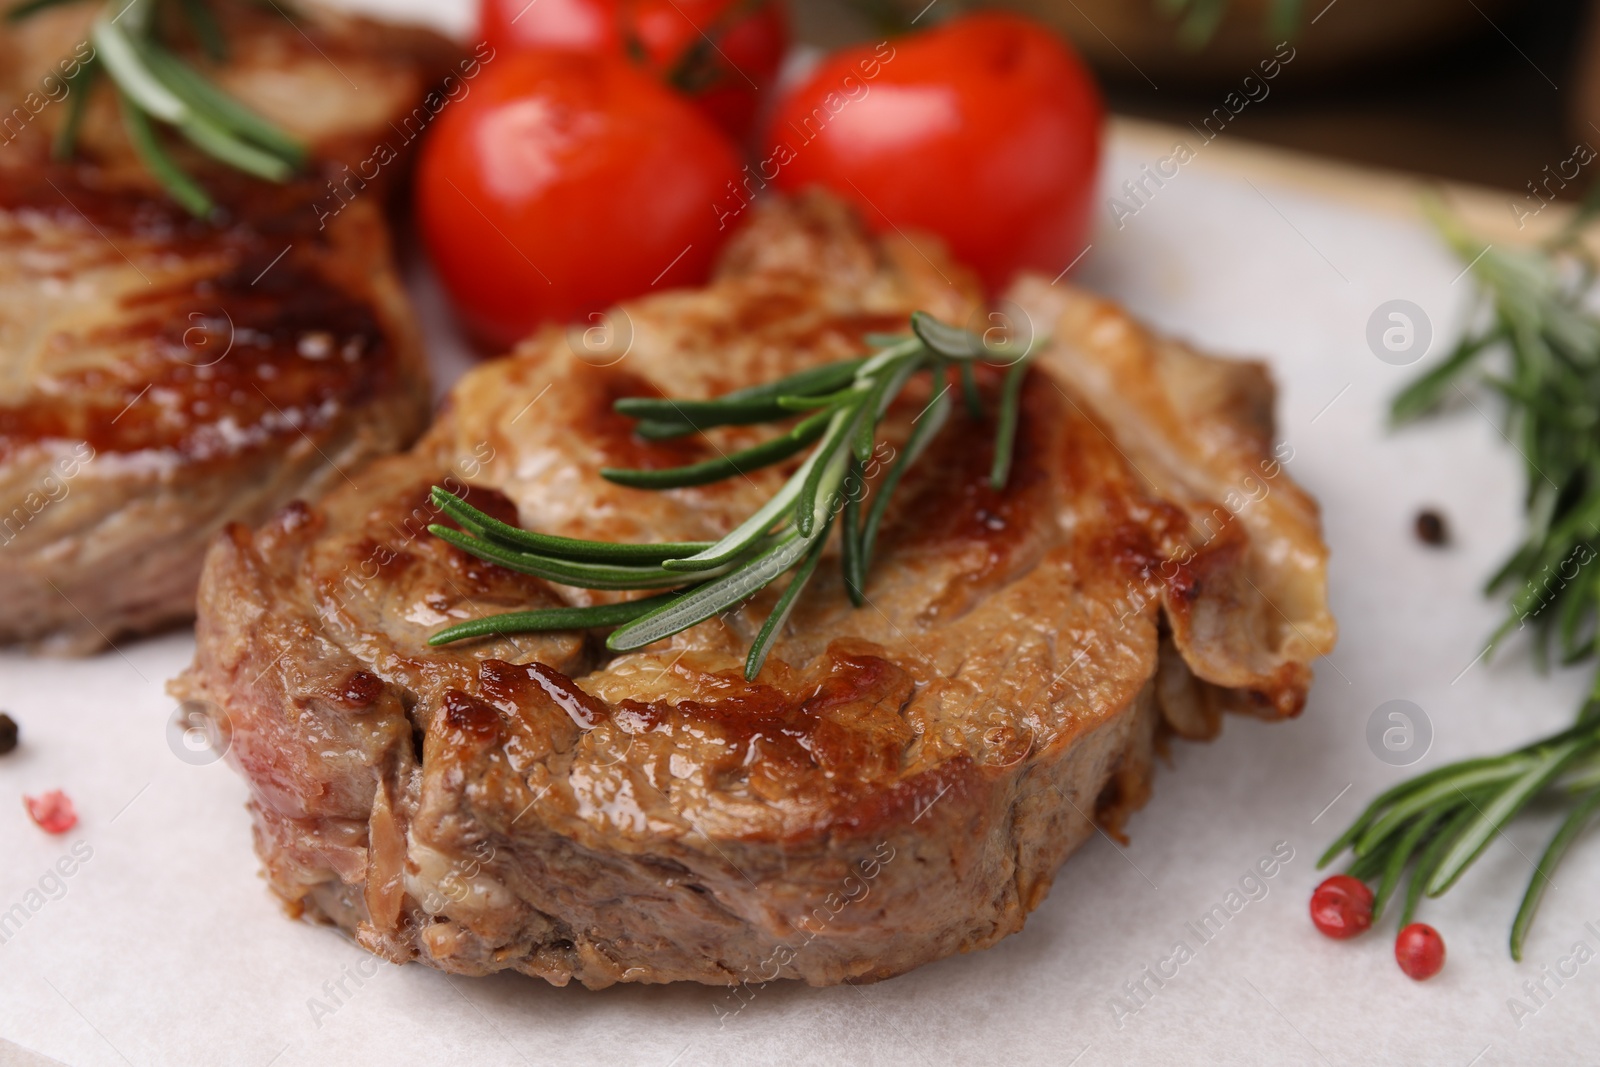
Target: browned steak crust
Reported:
point(161, 376)
point(902, 780)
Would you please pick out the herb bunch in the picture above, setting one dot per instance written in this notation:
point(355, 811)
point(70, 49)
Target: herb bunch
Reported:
point(156, 87)
point(838, 407)
point(1538, 317)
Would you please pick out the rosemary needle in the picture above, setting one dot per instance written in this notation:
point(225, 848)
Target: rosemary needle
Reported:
point(548, 619)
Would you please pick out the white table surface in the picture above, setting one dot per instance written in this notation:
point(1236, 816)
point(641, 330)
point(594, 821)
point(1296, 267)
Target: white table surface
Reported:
point(165, 948)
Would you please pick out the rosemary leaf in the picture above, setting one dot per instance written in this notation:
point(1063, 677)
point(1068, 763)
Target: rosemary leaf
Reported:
point(791, 404)
point(1425, 394)
point(568, 572)
point(1446, 789)
point(1459, 815)
point(1394, 793)
point(551, 619)
point(485, 525)
point(949, 341)
point(742, 407)
point(711, 599)
point(894, 353)
point(65, 143)
point(832, 453)
point(1398, 856)
point(779, 616)
point(850, 534)
point(969, 391)
point(206, 30)
point(1368, 866)
point(218, 143)
point(752, 529)
point(205, 96)
point(662, 429)
point(182, 188)
point(1006, 426)
point(928, 425)
point(715, 470)
point(127, 68)
point(1494, 815)
point(686, 416)
point(1554, 853)
point(889, 384)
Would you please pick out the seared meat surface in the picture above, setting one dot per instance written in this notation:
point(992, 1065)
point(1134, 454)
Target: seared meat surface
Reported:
point(161, 376)
point(902, 780)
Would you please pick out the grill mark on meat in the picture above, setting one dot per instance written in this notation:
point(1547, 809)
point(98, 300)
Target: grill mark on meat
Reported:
point(300, 349)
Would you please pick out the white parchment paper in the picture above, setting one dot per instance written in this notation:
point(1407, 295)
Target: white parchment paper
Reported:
point(164, 947)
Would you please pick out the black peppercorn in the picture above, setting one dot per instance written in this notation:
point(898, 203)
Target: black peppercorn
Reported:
point(1431, 528)
point(8, 733)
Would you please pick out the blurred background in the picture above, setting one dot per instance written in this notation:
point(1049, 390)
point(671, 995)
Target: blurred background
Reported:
point(1482, 91)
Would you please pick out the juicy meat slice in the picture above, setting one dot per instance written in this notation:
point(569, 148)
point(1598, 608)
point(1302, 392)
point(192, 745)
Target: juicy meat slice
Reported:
point(902, 780)
point(162, 376)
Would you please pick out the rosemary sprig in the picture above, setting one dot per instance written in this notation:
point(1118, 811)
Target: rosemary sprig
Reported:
point(155, 86)
point(842, 405)
point(1439, 823)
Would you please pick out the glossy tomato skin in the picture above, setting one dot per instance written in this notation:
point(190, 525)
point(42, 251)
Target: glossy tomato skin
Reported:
point(984, 131)
point(563, 183)
point(726, 82)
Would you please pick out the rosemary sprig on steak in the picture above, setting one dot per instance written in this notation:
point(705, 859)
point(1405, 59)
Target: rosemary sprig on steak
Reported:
point(839, 406)
point(1538, 316)
point(156, 88)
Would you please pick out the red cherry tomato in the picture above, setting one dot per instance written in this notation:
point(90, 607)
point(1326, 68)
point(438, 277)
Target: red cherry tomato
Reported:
point(1420, 951)
point(984, 131)
point(1341, 906)
point(563, 183)
point(723, 53)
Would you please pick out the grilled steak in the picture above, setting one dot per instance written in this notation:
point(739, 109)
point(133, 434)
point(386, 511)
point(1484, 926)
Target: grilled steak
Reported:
point(162, 376)
point(901, 781)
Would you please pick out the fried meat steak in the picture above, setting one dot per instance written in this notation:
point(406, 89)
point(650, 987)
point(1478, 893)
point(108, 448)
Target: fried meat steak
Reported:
point(902, 780)
point(161, 376)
